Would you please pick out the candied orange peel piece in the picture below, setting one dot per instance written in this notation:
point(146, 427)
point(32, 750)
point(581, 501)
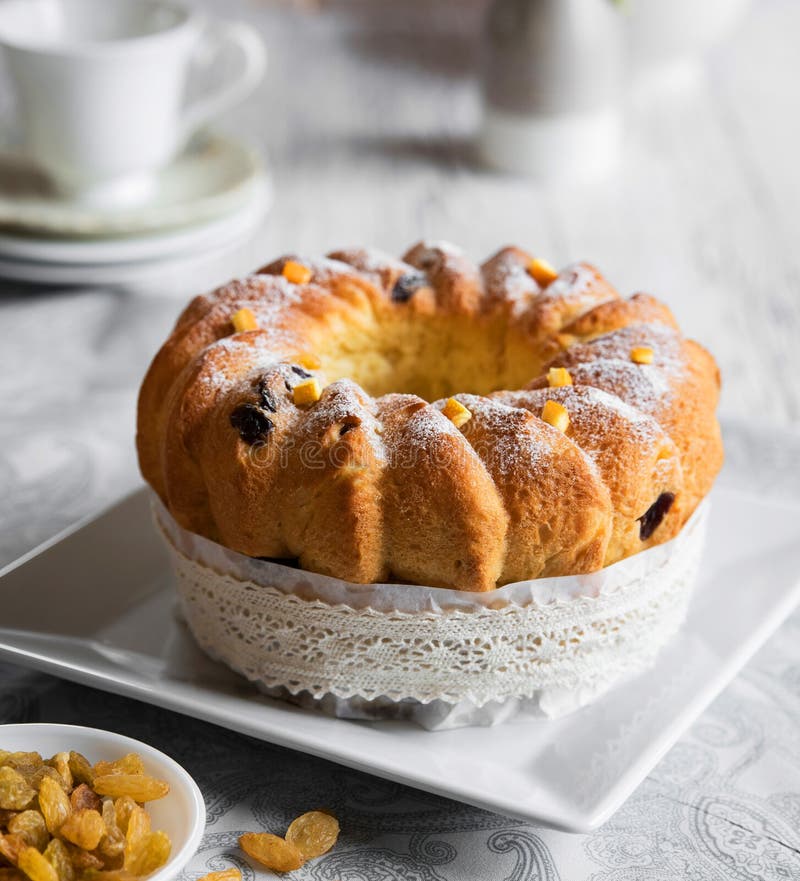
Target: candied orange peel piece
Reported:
point(308, 360)
point(456, 412)
point(558, 377)
point(642, 355)
point(244, 319)
point(306, 392)
point(296, 273)
point(555, 414)
point(542, 272)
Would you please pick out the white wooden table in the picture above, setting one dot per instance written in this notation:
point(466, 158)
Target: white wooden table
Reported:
point(367, 117)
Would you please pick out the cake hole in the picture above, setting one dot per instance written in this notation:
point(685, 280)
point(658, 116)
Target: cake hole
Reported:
point(427, 355)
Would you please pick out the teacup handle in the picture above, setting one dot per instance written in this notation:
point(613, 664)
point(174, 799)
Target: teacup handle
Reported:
point(250, 46)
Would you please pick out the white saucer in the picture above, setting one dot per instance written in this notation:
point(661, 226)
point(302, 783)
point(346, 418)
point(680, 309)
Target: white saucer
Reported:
point(121, 261)
point(212, 177)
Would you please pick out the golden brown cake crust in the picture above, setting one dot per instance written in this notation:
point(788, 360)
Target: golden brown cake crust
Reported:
point(309, 436)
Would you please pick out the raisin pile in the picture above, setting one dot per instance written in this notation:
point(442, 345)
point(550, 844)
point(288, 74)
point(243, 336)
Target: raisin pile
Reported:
point(64, 819)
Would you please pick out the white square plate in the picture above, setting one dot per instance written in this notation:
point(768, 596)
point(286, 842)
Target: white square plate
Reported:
point(95, 606)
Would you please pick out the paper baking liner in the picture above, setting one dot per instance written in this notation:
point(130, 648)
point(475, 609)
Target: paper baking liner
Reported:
point(441, 658)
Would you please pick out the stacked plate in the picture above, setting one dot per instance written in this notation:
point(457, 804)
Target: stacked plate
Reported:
point(207, 202)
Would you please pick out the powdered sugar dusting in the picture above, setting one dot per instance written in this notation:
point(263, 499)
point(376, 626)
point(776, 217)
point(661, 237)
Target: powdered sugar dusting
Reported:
point(592, 407)
point(224, 363)
point(373, 262)
point(499, 437)
point(643, 386)
point(324, 268)
point(506, 278)
point(446, 248)
point(345, 403)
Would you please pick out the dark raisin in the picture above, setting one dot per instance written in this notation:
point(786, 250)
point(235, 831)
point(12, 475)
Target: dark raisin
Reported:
point(652, 517)
point(407, 285)
point(300, 372)
point(252, 424)
point(347, 426)
point(267, 398)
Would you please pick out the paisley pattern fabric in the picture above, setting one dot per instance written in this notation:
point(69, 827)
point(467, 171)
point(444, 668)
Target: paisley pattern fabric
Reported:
point(723, 804)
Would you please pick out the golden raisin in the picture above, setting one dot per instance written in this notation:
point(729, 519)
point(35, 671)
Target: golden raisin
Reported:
point(113, 844)
point(82, 797)
point(140, 787)
point(83, 828)
point(129, 764)
point(231, 874)
point(82, 860)
point(54, 804)
point(296, 273)
point(57, 855)
point(271, 851)
point(123, 808)
point(11, 846)
point(80, 768)
point(30, 826)
point(135, 836)
point(34, 774)
point(60, 762)
point(111, 875)
point(313, 833)
point(35, 866)
point(15, 793)
point(151, 854)
point(16, 759)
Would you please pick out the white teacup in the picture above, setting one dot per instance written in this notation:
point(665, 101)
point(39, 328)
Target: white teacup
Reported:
point(101, 87)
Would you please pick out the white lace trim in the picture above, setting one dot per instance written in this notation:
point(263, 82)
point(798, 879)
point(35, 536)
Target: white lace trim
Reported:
point(474, 653)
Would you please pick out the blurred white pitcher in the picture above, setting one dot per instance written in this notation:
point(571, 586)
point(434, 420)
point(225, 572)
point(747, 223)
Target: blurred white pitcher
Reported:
point(101, 87)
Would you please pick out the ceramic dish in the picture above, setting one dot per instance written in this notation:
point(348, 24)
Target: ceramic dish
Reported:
point(181, 814)
point(121, 261)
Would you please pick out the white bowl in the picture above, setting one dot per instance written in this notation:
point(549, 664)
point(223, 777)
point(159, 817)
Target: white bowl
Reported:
point(181, 814)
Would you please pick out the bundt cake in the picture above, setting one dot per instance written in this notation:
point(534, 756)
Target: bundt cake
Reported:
point(429, 421)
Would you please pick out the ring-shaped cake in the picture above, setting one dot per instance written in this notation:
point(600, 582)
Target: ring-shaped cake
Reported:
point(429, 421)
